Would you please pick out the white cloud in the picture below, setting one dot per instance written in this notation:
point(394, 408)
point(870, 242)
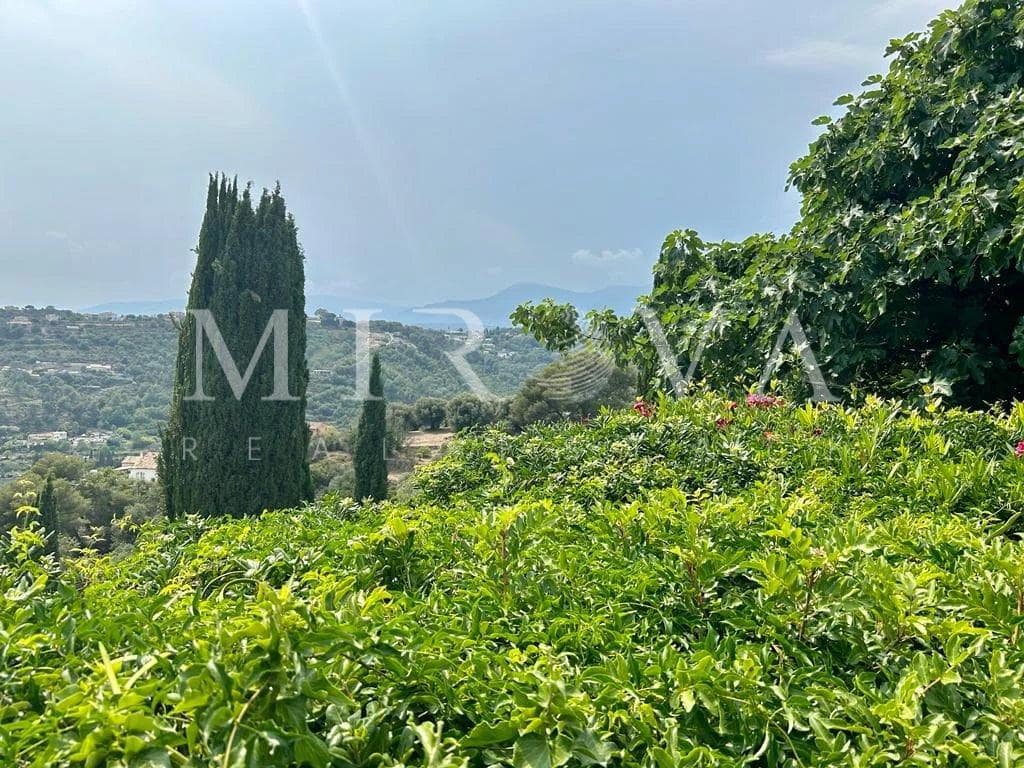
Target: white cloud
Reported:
point(607, 258)
point(818, 55)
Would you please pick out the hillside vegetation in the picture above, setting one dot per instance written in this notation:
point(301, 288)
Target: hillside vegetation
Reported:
point(112, 376)
point(44, 384)
point(697, 583)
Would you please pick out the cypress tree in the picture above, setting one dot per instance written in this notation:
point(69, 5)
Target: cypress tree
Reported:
point(370, 464)
point(49, 517)
point(229, 455)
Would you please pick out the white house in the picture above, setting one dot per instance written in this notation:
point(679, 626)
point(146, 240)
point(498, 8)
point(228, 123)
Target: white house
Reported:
point(42, 438)
point(141, 467)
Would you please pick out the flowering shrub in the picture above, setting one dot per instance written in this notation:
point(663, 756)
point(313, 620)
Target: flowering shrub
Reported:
point(625, 592)
point(1019, 450)
point(763, 401)
point(644, 408)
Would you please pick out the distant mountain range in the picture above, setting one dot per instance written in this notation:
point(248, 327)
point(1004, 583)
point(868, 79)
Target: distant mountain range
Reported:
point(493, 311)
point(159, 307)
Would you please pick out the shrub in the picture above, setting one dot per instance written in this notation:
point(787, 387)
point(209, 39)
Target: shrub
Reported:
point(635, 591)
point(467, 410)
point(429, 412)
point(576, 387)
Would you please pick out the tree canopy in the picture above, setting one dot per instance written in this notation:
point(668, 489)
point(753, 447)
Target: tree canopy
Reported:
point(905, 268)
point(370, 463)
point(230, 452)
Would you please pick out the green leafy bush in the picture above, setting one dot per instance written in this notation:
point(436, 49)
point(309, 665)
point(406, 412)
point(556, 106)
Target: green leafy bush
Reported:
point(709, 584)
point(429, 413)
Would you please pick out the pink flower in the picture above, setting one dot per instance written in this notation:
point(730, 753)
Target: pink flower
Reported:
point(644, 408)
point(1019, 450)
point(763, 401)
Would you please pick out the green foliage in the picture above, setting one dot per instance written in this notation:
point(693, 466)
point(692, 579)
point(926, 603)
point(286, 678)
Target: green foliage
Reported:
point(371, 467)
point(397, 426)
point(98, 508)
point(49, 518)
point(906, 266)
point(127, 385)
point(429, 413)
point(576, 387)
point(912, 202)
point(416, 363)
point(239, 454)
point(711, 585)
point(334, 474)
point(556, 325)
point(467, 410)
point(127, 402)
point(328, 319)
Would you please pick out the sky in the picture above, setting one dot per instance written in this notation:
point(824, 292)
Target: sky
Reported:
point(428, 150)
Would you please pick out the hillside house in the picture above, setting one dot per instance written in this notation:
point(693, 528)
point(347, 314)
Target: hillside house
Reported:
point(42, 438)
point(141, 467)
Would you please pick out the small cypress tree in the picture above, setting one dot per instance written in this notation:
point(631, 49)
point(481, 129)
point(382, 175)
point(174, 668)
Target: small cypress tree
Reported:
point(49, 517)
point(370, 464)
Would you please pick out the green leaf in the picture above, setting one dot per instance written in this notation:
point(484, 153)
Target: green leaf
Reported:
point(589, 750)
point(156, 757)
point(485, 735)
point(531, 751)
point(311, 751)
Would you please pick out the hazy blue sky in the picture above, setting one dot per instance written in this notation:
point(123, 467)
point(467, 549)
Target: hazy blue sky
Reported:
point(428, 150)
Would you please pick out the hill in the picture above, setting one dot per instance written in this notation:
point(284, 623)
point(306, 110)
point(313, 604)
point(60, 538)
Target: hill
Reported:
point(711, 584)
point(154, 307)
point(112, 375)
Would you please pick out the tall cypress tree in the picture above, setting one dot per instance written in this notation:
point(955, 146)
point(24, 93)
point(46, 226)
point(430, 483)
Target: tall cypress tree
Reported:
point(49, 517)
point(370, 464)
point(228, 455)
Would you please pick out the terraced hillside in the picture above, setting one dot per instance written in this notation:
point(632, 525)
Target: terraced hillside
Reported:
point(109, 377)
